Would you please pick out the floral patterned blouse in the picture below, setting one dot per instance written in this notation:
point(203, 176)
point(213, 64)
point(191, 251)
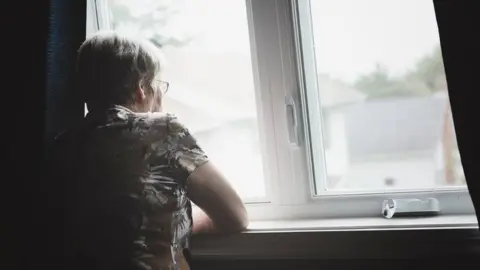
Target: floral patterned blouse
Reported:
point(126, 174)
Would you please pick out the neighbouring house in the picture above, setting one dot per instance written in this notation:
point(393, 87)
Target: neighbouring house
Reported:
point(396, 143)
point(335, 96)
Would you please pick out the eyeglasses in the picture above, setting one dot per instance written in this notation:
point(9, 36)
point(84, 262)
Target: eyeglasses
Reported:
point(163, 86)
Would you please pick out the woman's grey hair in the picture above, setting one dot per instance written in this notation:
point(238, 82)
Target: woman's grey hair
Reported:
point(111, 67)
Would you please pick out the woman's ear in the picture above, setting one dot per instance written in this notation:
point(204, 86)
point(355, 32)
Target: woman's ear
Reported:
point(140, 93)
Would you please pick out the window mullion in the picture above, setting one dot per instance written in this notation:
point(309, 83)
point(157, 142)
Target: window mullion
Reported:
point(101, 14)
point(310, 97)
point(277, 73)
point(264, 101)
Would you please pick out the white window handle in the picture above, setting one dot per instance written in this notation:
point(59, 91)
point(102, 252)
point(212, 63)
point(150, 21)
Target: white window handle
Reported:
point(410, 207)
point(292, 120)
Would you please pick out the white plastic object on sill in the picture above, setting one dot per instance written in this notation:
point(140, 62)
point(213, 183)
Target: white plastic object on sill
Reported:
point(410, 207)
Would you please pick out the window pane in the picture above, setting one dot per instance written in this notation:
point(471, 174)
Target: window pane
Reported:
point(90, 20)
point(387, 122)
point(210, 73)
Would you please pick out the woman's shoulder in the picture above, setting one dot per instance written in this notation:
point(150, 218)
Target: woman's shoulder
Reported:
point(165, 121)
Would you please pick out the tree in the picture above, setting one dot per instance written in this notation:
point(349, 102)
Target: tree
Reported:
point(150, 19)
point(379, 84)
point(427, 77)
point(431, 71)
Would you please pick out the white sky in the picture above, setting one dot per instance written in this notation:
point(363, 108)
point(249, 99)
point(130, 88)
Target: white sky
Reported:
point(351, 36)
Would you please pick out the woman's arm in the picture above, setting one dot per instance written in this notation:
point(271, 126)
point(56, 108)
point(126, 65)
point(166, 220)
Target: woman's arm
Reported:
point(220, 208)
point(201, 221)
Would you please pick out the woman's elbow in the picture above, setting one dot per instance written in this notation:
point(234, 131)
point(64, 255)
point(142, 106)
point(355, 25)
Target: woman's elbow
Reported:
point(243, 221)
point(237, 223)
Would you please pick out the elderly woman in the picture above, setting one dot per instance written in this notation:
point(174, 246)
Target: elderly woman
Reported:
point(132, 169)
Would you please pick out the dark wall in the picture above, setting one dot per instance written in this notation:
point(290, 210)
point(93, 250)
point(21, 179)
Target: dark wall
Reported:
point(434, 264)
point(337, 249)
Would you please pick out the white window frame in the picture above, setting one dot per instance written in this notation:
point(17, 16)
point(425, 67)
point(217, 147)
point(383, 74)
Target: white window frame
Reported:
point(97, 13)
point(283, 60)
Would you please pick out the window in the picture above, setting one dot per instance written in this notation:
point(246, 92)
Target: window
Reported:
point(313, 109)
point(384, 91)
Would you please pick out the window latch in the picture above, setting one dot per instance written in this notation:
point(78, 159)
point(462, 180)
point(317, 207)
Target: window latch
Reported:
point(292, 119)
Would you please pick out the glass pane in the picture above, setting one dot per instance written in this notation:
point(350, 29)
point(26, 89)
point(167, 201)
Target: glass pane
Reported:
point(90, 20)
point(208, 65)
point(386, 117)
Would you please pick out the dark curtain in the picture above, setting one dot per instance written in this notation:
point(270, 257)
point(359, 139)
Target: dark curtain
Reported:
point(40, 40)
point(67, 32)
point(459, 27)
point(64, 108)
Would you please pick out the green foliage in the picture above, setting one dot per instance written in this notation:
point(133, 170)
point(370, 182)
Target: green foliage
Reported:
point(427, 77)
